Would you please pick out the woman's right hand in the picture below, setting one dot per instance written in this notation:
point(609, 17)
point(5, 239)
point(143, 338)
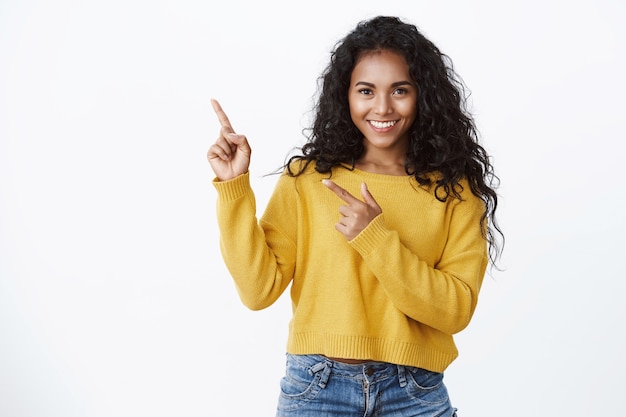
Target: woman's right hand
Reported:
point(229, 156)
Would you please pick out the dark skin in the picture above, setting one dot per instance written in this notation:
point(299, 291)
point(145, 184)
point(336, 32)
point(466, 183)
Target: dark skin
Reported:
point(356, 215)
point(229, 157)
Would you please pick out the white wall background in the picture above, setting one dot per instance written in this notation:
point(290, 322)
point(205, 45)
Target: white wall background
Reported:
point(113, 297)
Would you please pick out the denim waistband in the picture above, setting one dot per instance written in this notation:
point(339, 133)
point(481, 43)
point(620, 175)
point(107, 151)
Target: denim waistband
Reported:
point(369, 368)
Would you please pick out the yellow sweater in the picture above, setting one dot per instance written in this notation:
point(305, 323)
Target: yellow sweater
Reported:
point(395, 293)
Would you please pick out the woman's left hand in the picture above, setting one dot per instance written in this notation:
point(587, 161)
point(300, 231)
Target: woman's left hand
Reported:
point(356, 215)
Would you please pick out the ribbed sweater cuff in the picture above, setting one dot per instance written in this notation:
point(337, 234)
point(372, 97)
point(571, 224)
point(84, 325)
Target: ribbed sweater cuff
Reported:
point(233, 189)
point(371, 237)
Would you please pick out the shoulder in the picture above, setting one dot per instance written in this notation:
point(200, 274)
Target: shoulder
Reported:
point(297, 174)
point(467, 200)
point(299, 166)
point(302, 168)
point(454, 195)
point(459, 189)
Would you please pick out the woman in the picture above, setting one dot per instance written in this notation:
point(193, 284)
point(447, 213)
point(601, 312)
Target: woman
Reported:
point(383, 226)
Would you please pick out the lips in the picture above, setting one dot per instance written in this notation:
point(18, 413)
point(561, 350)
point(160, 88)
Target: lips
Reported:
point(383, 125)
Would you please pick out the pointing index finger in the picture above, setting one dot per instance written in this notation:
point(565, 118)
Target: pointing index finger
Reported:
point(340, 192)
point(221, 116)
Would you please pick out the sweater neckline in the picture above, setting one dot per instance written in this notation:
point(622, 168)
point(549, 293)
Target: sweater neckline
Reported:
point(379, 177)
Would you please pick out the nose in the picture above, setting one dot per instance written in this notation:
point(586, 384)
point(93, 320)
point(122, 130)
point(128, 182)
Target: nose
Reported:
point(383, 105)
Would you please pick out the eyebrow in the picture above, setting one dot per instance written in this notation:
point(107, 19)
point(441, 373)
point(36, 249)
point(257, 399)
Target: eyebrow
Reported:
point(396, 84)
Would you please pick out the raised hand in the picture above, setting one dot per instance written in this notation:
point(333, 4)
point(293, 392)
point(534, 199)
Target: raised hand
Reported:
point(229, 156)
point(356, 214)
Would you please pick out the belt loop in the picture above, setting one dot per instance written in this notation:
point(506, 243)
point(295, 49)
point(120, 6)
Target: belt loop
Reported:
point(402, 375)
point(325, 374)
point(316, 368)
point(324, 367)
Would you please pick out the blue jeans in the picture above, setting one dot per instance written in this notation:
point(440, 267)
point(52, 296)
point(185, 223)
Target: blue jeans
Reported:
point(315, 386)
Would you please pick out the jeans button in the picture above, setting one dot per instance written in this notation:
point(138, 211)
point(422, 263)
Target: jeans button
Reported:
point(369, 371)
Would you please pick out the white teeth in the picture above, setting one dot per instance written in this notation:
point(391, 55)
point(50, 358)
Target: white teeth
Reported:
point(382, 125)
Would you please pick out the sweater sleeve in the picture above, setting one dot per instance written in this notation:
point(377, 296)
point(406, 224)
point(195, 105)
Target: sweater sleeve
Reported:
point(442, 296)
point(260, 259)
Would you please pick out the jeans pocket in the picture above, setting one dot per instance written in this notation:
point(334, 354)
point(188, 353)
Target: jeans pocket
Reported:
point(426, 386)
point(300, 384)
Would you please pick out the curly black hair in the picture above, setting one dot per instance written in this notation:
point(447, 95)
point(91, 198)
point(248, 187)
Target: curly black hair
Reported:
point(443, 138)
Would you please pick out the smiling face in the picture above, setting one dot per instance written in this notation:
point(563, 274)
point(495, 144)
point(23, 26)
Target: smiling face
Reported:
point(383, 102)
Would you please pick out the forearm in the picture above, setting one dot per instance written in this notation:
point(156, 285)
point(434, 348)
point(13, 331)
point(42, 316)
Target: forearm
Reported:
point(442, 298)
point(259, 277)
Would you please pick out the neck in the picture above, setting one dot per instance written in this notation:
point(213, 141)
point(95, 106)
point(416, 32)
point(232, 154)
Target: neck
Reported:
point(387, 167)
